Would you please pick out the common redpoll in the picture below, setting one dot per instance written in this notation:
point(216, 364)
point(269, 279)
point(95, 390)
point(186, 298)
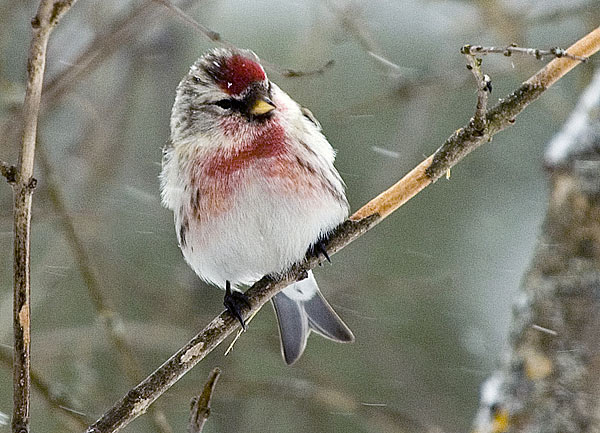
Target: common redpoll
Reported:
point(251, 181)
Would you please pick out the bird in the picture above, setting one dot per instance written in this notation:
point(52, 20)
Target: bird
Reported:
point(250, 179)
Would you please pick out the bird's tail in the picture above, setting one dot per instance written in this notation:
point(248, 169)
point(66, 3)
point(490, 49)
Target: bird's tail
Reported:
point(301, 308)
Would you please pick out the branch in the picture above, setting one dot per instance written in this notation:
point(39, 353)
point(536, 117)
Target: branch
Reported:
point(535, 52)
point(200, 410)
point(48, 15)
point(484, 88)
point(456, 147)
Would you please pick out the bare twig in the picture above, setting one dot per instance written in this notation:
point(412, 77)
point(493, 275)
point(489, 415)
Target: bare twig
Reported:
point(509, 50)
point(58, 402)
point(452, 151)
point(504, 113)
point(484, 88)
point(48, 15)
point(200, 407)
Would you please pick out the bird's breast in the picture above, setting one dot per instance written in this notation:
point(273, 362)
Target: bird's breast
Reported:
point(262, 160)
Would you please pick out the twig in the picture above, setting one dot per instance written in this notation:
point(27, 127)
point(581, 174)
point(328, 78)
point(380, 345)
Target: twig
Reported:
point(110, 318)
point(509, 50)
point(57, 402)
point(48, 15)
point(454, 149)
point(484, 88)
point(200, 407)
point(465, 140)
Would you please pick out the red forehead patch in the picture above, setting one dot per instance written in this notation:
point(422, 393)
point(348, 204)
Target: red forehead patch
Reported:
point(237, 73)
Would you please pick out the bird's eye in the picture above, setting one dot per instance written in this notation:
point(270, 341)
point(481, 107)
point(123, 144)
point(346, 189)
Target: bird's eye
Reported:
point(196, 79)
point(226, 104)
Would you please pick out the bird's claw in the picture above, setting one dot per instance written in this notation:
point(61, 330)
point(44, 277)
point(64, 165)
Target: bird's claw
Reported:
point(320, 249)
point(234, 302)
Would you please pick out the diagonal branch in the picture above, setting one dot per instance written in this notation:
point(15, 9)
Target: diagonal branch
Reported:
point(48, 15)
point(456, 147)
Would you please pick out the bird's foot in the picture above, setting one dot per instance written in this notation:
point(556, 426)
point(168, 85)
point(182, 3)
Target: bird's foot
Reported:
point(234, 302)
point(319, 248)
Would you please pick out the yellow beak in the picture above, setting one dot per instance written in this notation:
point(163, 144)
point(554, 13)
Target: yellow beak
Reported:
point(262, 106)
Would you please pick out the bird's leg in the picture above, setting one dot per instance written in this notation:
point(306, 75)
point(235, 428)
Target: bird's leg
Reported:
point(234, 302)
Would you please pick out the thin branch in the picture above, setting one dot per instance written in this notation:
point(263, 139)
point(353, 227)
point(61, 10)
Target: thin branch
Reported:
point(456, 147)
point(503, 114)
point(200, 407)
point(509, 50)
point(101, 47)
point(60, 403)
point(484, 88)
point(48, 15)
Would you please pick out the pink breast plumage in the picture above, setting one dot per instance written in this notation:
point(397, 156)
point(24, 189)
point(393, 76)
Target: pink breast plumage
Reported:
point(264, 156)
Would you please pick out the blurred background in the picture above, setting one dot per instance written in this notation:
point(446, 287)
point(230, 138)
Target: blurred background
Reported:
point(428, 292)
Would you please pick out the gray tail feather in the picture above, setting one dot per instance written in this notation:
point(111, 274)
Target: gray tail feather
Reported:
point(298, 317)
